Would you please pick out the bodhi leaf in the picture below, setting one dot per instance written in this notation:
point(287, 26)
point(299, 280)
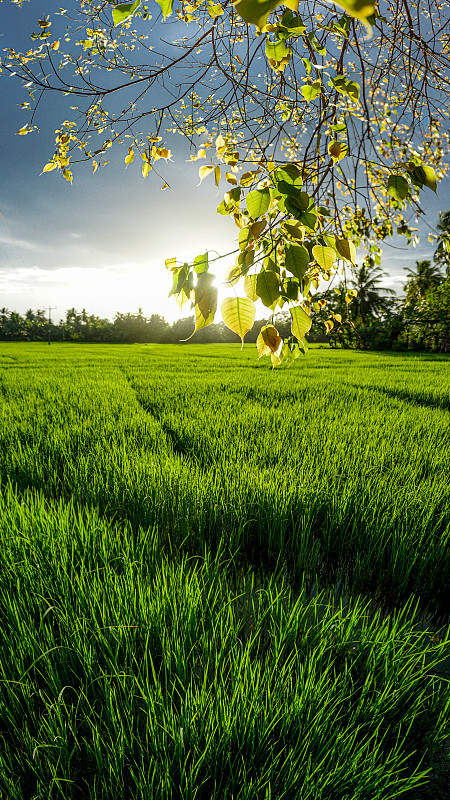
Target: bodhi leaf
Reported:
point(165, 6)
point(124, 10)
point(205, 295)
point(258, 202)
point(250, 287)
point(256, 12)
point(238, 314)
point(233, 276)
point(244, 238)
point(268, 341)
point(325, 257)
point(301, 322)
point(296, 260)
point(289, 174)
point(359, 9)
point(268, 288)
point(201, 263)
point(311, 91)
point(294, 229)
point(426, 176)
point(346, 250)
point(398, 187)
point(337, 150)
point(200, 320)
point(204, 171)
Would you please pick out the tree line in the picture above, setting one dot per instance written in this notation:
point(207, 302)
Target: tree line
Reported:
point(375, 319)
point(80, 326)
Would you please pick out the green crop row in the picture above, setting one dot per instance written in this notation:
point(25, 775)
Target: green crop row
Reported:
point(219, 581)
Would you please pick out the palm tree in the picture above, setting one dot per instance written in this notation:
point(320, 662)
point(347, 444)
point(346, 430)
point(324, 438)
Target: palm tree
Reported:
point(421, 279)
point(442, 253)
point(369, 301)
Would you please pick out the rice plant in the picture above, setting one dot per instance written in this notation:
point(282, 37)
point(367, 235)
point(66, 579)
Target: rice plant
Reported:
point(219, 580)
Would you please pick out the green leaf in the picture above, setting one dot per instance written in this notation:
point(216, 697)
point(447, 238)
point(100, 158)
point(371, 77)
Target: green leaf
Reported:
point(200, 320)
point(345, 86)
point(346, 250)
point(301, 322)
point(398, 187)
point(360, 9)
point(291, 289)
point(250, 286)
point(294, 229)
point(166, 8)
point(426, 176)
point(268, 288)
point(258, 202)
point(205, 295)
point(268, 341)
point(124, 10)
point(296, 260)
point(276, 50)
point(244, 237)
point(255, 12)
point(201, 263)
point(308, 219)
point(289, 174)
point(337, 150)
point(310, 91)
point(238, 315)
point(325, 257)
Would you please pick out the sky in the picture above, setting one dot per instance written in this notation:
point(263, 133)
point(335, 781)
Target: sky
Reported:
point(101, 242)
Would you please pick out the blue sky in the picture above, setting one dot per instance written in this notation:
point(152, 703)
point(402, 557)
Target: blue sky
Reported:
point(102, 241)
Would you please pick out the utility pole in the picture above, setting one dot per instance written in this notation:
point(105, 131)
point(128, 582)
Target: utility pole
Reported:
point(50, 309)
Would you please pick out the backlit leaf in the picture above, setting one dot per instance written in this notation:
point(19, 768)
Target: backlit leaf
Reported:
point(255, 12)
point(398, 187)
point(268, 288)
point(294, 229)
point(301, 322)
point(201, 263)
point(244, 237)
point(204, 171)
point(337, 150)
point(250, 287)
point(200, 320)
point(268, 341)
point(360, 9)
point(233, 276)
point(49, 167)
point(166, 8)
point(310, 91)
point(296, 259)
point(123, 11)
point(426, 176)
point(238, 314)
point(258, 202)
point(205, 295)
point(346, 250)
point(171, 264)
point(325, 256)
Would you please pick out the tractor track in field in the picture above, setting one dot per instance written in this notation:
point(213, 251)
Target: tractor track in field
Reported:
point(178, 445)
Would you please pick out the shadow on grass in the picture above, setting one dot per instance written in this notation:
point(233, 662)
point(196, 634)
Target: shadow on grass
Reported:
point(316, 542)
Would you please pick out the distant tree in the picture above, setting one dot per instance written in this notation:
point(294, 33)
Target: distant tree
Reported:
point(428, 326)
point(442, 253)
point(371, 300)
point(421, 279)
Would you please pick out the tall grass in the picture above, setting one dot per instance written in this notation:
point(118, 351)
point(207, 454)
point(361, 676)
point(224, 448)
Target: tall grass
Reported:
point(220, 581)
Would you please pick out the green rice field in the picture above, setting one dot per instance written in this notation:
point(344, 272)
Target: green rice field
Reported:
point(220, 581)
